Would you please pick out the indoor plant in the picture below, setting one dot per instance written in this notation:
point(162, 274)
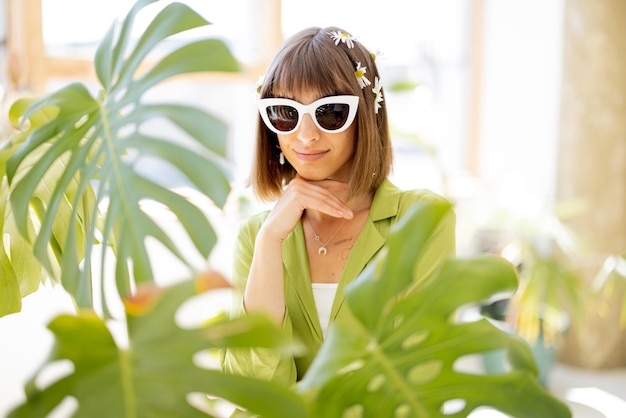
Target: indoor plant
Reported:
point(550, 296)
point(76, 152)
point(73, 167)
point(607, 283)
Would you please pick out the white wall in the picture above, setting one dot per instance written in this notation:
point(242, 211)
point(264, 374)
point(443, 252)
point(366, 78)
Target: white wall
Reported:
point(520, 100)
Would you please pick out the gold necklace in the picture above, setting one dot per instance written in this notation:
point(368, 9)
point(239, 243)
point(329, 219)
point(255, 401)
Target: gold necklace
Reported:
point(322, 249)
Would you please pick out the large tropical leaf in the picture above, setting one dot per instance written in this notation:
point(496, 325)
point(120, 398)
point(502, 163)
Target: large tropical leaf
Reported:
point(158, 371)
point(21, 272)
point(397, 355)
point(94, 143)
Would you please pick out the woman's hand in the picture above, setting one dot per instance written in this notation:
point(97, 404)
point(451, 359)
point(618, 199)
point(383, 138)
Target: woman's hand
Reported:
point(265, 287)
point(301, 194)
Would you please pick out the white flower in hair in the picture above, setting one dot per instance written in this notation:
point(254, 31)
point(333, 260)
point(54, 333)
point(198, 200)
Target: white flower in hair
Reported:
point(376, 55)
point(339, 36)
point(379, 95)
point(360, 75)
point(259, 84)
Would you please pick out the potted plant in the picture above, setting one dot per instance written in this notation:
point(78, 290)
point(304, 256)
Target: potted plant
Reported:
point(70, 185)
point(607, 283)
point(549, 298)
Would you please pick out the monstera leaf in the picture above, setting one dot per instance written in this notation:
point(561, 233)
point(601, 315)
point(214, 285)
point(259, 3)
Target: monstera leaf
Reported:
point(21, 272)
point(157, 373)
point(74, 180)
point(398, 354)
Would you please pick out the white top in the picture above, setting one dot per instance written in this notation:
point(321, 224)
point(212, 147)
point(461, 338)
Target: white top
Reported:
point(324, 294)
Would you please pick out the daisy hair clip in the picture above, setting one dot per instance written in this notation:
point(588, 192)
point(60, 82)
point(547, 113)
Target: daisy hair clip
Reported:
point(378, 98)
point(259, 84)
point(359, 72)
point(360, 75)
point(338, 36)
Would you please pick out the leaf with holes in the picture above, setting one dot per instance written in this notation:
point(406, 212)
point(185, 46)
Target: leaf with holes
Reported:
point(159, 371)
point(90, 152)
point(21, 271)
point(397, 354)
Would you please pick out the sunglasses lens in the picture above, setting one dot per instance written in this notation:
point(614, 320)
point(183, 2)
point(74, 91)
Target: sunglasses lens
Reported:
point(332, 116)
point(282, 117)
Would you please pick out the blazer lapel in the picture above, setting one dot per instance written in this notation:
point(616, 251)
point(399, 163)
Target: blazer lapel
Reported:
point(296, 265)
point(369, 242)
point(372, 238)
point(374, 235)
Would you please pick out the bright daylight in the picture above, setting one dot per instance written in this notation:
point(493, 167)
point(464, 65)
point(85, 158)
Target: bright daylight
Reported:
point(287, 208)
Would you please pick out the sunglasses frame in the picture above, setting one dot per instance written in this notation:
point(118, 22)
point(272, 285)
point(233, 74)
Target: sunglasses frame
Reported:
point(351, 101)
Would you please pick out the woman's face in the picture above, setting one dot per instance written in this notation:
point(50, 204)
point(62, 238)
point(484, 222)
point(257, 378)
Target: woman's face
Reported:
point(318, 155)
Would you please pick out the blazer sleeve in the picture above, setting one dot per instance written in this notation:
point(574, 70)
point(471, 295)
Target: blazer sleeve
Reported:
point(263, 363)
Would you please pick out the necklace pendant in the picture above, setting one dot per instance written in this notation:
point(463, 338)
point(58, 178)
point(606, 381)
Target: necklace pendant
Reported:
point(322, 250)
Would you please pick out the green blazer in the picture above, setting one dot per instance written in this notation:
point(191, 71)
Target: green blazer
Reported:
point(301, 319)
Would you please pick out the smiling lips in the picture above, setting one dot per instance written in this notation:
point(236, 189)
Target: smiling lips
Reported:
point(310, 156)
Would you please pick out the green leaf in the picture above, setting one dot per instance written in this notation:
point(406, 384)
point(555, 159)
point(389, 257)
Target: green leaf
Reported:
point(211, 179)
point(158, 370)
point(198, 56)
point(208, 130)
point(72, 173)
point(174, 18)
point(401, 361)
point(190, 216)
point(368, 292)
point(103, 58)
point(609, 283)
point(10, 296)
point(110, 52)
point(12, 254)
point(19, 224)
point(548, 289)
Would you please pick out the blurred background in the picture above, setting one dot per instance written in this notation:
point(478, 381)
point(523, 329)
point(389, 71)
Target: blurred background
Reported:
point(513, 109)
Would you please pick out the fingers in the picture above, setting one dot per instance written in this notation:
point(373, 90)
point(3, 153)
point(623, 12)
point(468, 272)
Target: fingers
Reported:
point(300, 195)
point(319, 195)
point(328, 184)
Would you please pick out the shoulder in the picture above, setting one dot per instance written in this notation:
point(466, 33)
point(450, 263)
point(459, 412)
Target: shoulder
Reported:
point(391, 201)
point(250, 225)
point(421, 195)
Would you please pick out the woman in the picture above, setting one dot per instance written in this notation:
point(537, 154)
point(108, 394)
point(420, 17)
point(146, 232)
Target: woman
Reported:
point(323, 152)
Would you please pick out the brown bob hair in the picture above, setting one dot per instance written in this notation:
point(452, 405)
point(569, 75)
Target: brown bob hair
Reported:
point(310, 61)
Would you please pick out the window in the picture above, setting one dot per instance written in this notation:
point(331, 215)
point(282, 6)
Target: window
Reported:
point(428, 49)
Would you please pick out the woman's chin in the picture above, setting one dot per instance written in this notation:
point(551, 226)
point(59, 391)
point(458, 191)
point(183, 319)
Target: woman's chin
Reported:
point(309, 176)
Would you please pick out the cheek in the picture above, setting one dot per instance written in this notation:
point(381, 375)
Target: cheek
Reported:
point(282, 142)
point(349, 141)
point(344, 151)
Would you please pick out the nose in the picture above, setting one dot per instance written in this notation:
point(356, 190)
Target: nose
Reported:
point(307, 132)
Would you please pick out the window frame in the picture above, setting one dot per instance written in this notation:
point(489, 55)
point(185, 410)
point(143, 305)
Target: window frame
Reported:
point(30, 68)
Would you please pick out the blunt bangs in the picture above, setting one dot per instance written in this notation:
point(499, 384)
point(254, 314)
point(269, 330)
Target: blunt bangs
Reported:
point(302, 70)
